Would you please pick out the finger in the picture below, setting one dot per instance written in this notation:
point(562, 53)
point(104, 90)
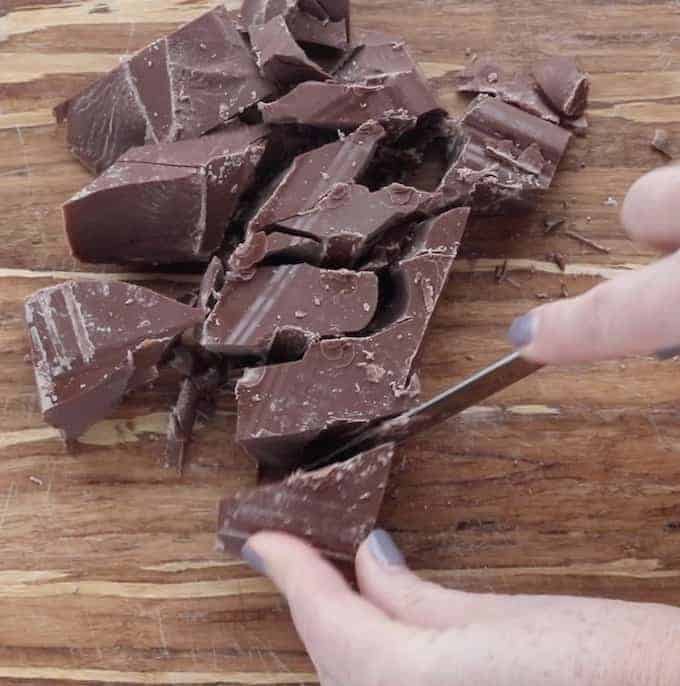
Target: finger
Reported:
point(635, 314)
point(651, 210)
point(350, 641)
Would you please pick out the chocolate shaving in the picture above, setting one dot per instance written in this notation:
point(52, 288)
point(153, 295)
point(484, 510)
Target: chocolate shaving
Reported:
point(662, 142)
point(587, 241)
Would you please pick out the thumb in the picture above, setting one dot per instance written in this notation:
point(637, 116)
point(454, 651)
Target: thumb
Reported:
point(635, 314)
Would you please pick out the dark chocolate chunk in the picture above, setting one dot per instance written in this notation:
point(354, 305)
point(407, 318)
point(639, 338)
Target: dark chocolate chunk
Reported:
point(178, 87)
point(309, 30)
point(312, 174)
point(396, 100)
point(485, 76)
point(166, 203)
point(502, 157)
point(279, 57)
point(564, 84)
point(334, 509)
point(344, 224)
point(93, 341)
point(344, 384)
point(296, 303)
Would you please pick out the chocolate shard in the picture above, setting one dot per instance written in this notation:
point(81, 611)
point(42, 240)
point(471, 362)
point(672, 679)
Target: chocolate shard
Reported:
point(578, 126)
point(312, 174)
point(309, 30)
point(92, 342)
point(502, 158)
point(376, 54)
point(279, 58)
point(396, 101)
point(181, 426)
point(289, 306)
point(166, 203)
point(334, 509)
point(181, 86)
point(211, 284)
point(345, 384)
point(486, 76)
point(564, 84)
point(346, 222)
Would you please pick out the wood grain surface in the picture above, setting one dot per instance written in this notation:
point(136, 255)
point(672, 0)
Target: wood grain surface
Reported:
point(568, 483)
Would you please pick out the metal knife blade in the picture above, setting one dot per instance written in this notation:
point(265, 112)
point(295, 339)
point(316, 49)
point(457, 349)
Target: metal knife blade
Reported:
point(480, 386)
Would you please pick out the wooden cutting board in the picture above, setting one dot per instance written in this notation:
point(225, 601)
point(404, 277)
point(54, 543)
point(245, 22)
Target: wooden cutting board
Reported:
point(568, 483)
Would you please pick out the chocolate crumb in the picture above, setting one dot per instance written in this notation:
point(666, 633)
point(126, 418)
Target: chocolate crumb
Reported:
point(559, 259)
point(541, 296)
point(662, 143)
point(587, 241)
point(564, 292)
point(37, 481)
point(551, 224)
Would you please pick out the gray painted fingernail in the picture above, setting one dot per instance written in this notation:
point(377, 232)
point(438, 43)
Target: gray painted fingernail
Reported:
point(669, 353)
point(384, 549)
point(523, 330)
point(253, 559)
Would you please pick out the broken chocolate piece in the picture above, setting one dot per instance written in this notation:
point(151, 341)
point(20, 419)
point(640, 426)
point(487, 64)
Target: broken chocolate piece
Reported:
point(181, 426)
point(662, 143)
point(316, 32)
point(166, 203)
point(485, 76)
point(296, 304)
point(578, 126)
point(395, 100)
point(346, 222)
point(312, 174)
point(211, 284)
point(502, 157)
point(334, 509)
point(344, 384)
point(92, 342)
point(181, 86)
point(564, 84)
point(280, 58)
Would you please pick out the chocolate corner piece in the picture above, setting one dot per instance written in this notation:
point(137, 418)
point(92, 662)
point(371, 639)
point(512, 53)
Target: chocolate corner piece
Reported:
point(92, 342)
point(333, 509)
point(564, 84)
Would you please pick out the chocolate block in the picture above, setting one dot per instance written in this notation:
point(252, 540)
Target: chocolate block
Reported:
point(485, 76)
point(502, 157)
point(342, 385)
point(91, 342)
point(289, 306)
point(178, 87)
point(564, 84)
point(395, 100)
point(279, 57)
point(166, 203)
point(376, 54)
point(334, 509)
point(312, 174)
point(344, 224)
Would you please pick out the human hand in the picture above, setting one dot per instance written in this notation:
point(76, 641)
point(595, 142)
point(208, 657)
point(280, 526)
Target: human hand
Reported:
point(402, 631)
point(634, 314)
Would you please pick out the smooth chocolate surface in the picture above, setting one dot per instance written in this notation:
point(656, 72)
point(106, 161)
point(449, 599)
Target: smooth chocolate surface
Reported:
point(166, 203)
point(564, 84)
point(395, 100)
point(502, 157)
point(376, 54)
point(486, 76)
point(334, 509)
point(178, 87)
point(345, 223)
point(289, 306)
point(91, 342)
point(311, 175)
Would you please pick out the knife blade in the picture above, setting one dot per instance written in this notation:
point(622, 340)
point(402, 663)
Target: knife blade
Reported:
point(480, 386)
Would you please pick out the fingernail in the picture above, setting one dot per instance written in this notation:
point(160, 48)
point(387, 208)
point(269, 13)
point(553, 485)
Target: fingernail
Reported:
point(253, 559)
point(522, 330)
point(384, 549)
point(668, 353)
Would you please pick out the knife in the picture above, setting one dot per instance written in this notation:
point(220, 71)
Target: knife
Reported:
point(480, 386)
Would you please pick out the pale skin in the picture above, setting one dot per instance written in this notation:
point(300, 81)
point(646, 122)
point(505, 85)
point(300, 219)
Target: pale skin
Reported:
point(401, 631)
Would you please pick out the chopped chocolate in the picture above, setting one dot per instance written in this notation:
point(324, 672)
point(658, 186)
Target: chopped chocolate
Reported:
point(94, 341)
point(559, 259)
point(334, 509)
point(178, 87)
point(485, 76)
point(294, 303)
point(395, 100)
point(578, 126)
point(181, 426)
point(344, 384)
point(564, 84)
point(211, 284)
point(345, 223)
point(502, 157)
point(551, 224)
point(312, 174)
point(166, 203)
point(662, 143)
point(587, 241)
point(280, 58)
point(309, 30)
